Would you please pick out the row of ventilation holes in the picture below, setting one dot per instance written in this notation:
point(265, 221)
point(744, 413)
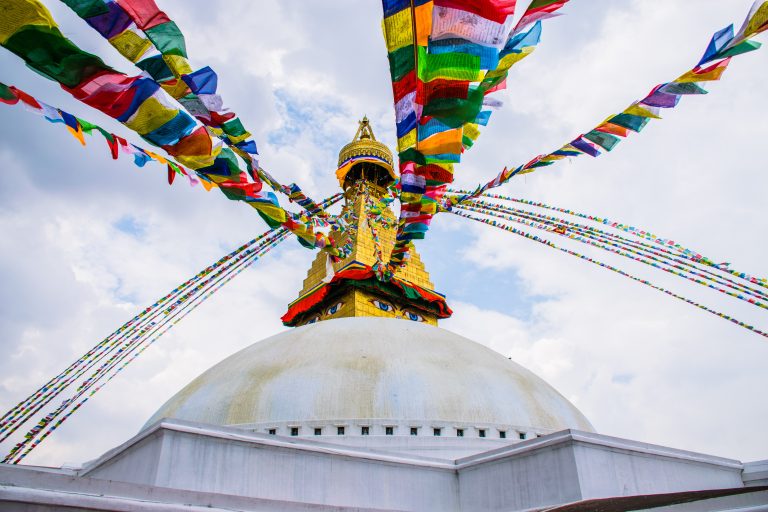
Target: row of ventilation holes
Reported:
point(364, 431)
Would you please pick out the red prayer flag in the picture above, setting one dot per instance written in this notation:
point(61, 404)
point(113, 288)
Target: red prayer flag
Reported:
point(494, 10)
point(145, 13)
point(404, 86)
point(171, 174)
point(26, 98)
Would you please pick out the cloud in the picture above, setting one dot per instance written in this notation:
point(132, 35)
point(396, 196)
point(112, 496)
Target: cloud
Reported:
point(88, 241)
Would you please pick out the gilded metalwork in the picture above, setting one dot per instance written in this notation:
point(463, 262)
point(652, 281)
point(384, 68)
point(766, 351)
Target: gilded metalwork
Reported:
point(364, 143)
point(351, 301)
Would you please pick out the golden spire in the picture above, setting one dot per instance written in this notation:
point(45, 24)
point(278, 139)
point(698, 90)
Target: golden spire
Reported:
point(364, 130)
point(349, 288)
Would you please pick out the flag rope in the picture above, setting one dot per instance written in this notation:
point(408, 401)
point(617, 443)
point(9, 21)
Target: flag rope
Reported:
point(593, 261)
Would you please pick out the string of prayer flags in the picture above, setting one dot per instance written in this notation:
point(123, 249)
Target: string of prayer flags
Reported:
point(602, 240)
point(446, 57)
point(606, 266)
point(51, 389)
point(540, 10)
point(217, 176)
point(79, 127)
point(28, 30)
point(724, 46)
point(147, 37)
point(122, 354)
point(129, 341)
point(161, 53)
point(661, 243)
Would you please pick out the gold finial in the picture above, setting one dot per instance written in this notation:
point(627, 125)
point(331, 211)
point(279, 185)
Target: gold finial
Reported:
point(365, 148)
point(364, 130)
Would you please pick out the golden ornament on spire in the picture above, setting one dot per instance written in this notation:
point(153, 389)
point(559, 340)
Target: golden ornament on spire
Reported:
point(365, 149)
point(349, 287)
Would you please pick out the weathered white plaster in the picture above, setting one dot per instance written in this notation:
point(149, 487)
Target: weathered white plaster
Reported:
point(756, 473)
point(176, 463)
point(376, 370)
point(376, 373)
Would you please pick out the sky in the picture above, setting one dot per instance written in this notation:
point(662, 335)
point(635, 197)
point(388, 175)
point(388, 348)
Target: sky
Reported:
point(87, 242)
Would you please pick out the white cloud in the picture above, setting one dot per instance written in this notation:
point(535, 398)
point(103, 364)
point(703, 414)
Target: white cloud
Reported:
point(639, 364)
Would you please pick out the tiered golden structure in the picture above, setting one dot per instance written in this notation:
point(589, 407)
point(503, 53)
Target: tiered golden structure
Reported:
point(363, 181)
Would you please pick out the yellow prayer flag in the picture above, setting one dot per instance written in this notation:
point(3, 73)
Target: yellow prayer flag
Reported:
point(240, 138)
point(407, 141)
point(17, 14)
point(398, 30)
point(157, 157)
point(130, 44)
point(637, 110)
point(709, 76)
point(177, 64)
point(78, 134)
point(150, 115)
point(553, 158)
point(273, 212)
point(175, 88)
point(429, 208)
point(570, 147)
point(219, 179)
point(472, 131)
point(506, 62)
point(410, 197)
point(758, 22)
point(198, 161)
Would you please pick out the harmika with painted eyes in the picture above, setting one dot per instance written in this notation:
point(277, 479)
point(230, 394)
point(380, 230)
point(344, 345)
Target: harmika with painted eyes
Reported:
point(405, 313)
point(380, 304)
point(328, 312)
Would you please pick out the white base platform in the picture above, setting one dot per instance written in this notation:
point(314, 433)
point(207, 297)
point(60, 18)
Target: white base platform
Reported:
point(176, 465)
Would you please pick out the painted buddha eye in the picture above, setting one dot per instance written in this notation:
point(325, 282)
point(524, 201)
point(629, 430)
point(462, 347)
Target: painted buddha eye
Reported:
point(313, 320)
point(384, 306)
point(410, 315)
point(334, 309)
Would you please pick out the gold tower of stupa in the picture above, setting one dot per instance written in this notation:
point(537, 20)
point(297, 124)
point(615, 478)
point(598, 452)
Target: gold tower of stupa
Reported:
point(349, 288)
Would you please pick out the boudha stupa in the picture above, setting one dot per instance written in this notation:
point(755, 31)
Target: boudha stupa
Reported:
point(366, 363)
point(364, 403)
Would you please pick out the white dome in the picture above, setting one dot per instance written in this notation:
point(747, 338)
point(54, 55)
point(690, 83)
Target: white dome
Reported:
point(380, 370)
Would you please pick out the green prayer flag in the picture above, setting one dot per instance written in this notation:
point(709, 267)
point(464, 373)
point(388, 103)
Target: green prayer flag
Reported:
point(630, 121)
point(683, 88)
point(48, 52)
point(272, 223)
point(606, 141)
point(109, 136)
point(745, 47)
point(6, 94)
point(537, 4)
point(156, 67)
point(401, 62)
point(167, 38)
point(453, 66)
point(455, 112)
point(87, 8)
point(233, 127)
